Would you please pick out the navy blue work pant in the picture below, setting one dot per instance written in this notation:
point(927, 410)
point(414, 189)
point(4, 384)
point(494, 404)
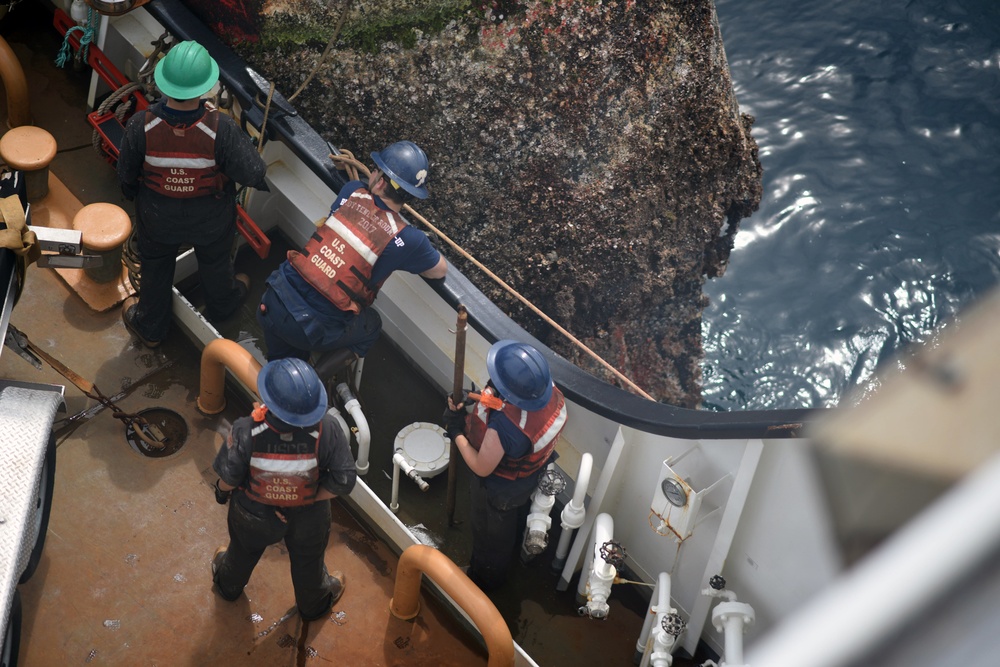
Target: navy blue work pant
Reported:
point(158, 258)
point(253, 527)
point(285, 337)
point(497, 527)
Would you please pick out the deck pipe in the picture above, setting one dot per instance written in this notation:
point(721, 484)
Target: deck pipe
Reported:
point(363, 433)
point(219, 355)
point(420, 560)
point(536, 533)
point(573, 514)
point(16, 86)
point(655, 647)
point(731, 618)
point(597, 584)
point(399, 462)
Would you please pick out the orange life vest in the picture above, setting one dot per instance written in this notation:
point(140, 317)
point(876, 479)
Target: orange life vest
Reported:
point(541, 426)
point(339, 258)
point(284, 467)
point(180, 160)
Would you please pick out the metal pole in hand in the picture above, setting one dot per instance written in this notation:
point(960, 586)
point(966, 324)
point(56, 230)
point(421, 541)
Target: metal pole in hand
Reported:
point(457, 395)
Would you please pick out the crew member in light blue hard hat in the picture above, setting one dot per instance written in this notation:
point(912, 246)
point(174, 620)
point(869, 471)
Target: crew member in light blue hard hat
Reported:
point(507, 441)
point(319, 300)
point(285, 462)
point(181, 161)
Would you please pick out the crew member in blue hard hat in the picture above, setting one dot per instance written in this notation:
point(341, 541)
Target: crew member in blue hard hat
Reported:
point(507, 441)
point(319, 299)
point(285, 462)
point(181, 161)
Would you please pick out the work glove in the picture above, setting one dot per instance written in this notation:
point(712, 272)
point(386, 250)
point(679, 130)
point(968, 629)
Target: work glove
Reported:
point(454, 421)
point(221, 496)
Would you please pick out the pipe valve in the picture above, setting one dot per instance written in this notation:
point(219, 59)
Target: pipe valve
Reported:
point(613, 554)
point(552, 483)
point(673, 624)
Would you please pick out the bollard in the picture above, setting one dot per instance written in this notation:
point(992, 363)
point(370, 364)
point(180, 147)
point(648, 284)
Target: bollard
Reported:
point(30, 149)
point(105, 228)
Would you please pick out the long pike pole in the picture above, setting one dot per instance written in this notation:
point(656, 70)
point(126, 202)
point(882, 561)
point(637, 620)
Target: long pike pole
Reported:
point(457, 395)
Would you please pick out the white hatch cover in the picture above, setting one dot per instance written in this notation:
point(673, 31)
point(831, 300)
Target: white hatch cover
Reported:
point(425, 446)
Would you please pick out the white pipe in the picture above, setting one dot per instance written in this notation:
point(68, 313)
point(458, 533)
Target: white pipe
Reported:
point(659, 607)
point(536, 534)
point(363, 434)
point(399, 462)
point(394, 503)
point(731, 618)
point(341, 422)
point(596, 502)
point(573, 514)
point(602, 573)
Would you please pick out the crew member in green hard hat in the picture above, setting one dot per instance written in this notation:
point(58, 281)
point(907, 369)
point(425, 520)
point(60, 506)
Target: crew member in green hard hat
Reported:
point(181, 160)
point(281, 465)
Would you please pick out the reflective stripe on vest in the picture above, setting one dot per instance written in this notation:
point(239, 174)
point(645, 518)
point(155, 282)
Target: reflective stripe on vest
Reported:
point(541, 426)
point(180, 160)
point(284, 471)
point(338, 259)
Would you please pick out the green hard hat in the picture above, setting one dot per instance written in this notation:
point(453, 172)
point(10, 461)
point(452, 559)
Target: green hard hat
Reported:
point(186, 72)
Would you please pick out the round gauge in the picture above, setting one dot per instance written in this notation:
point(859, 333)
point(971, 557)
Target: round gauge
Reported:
point(674, 491)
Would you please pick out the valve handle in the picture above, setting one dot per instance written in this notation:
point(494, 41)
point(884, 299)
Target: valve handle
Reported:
point(613, 554)
point(552, 483)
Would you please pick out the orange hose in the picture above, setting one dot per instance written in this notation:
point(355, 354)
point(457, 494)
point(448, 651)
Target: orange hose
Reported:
point(405, 604)
point(217, 356)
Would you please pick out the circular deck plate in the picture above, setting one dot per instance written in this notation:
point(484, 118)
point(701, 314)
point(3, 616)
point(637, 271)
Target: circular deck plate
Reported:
point(169, 423)
point(425, 447)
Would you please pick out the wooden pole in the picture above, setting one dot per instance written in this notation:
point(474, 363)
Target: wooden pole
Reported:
point(457, 395)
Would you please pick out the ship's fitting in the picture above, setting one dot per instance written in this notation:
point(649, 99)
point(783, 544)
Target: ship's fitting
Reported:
point(605, 559)
point(536, 534)
point(731, 618)
point(170, 427)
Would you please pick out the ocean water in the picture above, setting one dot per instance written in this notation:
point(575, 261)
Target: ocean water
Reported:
point(878, 124)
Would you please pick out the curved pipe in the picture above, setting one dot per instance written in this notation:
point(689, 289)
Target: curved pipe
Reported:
point(658, 651)
point(405, 604)
point(573, 514)
point(217, 356)
point(16, 85)
point(363, 435)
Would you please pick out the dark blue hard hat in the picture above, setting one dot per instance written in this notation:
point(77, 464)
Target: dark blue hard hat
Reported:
point(292, 390)
point(405, 165)
point(521, 374)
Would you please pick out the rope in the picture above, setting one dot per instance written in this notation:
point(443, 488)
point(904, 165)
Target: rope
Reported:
point(349, 163)
point(263, 123)
point(326, 51)
point(66, 50)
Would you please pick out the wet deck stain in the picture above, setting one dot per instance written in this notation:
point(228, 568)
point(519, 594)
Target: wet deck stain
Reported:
point(365, 546)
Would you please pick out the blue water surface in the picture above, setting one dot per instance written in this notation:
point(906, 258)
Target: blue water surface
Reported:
point(879, 132)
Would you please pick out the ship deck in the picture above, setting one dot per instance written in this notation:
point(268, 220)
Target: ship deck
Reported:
point(125, 574)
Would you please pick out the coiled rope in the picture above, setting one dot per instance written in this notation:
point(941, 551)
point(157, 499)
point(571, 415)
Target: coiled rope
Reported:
point(346, 161)
point(66, 50)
